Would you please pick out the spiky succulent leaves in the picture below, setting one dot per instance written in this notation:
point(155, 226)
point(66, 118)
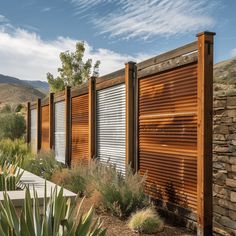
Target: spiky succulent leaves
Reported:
point(36, 215)
point(9, 219)
point(28, 212)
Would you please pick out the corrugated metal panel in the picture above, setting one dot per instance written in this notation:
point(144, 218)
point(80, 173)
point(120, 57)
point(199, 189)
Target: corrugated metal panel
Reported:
point(168, 134)
point(60, 135)
point(45, 128)
point(33, 130)
point(80, 129)
point(111, 125)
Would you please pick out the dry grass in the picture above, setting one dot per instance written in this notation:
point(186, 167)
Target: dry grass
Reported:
point(146, 221)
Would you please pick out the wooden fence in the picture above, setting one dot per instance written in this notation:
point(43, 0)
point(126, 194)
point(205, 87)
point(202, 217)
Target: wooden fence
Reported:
point(155, 115)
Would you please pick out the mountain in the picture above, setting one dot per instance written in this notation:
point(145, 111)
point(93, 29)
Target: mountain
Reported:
point(39, 85)
point(17, 93)
point(225, 76)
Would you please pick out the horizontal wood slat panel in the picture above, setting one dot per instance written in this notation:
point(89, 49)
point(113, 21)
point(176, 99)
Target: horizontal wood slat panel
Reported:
point(168, 135)
point(45, 128)
point(80, 129)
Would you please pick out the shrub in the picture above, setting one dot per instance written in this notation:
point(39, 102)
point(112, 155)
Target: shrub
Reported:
point(76, 179)
point(11, 150)
point(121, 195)
point(57, 217)
point(146, 221)
point(12, 125)
point(44, 164)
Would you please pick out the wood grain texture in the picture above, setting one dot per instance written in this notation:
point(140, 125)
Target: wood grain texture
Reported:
point(28, 123)
point(91, 118)
point(45, 145)
point(79, 129)
point(205, 104)
point(51, 121)
point(38, 124)
point(168, 135)
point(188, 48)
point(129, 86)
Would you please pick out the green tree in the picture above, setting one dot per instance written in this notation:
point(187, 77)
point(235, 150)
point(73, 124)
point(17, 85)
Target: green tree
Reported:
point(12, 125)
point(74, 70)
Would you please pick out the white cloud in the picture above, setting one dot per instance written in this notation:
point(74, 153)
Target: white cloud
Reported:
point(148, 18)
point(26, 56)
point(233, 52)
point(3, 19)
point(46, 9)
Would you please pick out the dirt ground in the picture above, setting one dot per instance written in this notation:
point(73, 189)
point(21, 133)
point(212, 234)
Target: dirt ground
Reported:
point(117, 227)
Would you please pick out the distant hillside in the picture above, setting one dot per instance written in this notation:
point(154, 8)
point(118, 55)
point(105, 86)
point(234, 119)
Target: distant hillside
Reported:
point(39, 85)
point(225, 76)
point(15, 94)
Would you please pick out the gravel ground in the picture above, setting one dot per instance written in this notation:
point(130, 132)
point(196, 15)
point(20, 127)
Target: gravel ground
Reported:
point(117, 227)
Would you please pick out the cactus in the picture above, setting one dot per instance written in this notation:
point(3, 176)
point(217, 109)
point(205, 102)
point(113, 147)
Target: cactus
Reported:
point(2, 182)
point(10, 176)
point(11, 183)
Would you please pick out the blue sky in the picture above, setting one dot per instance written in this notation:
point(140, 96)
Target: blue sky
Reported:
point(34, 32)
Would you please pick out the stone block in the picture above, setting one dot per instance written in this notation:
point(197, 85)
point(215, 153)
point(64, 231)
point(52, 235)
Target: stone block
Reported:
point(233, 168)
point(231, 182)
point(219, 137)
point(221, 129)
point(232, 160)
point(231, 113)
point(233, 196)
point(221, 210)
point(226, 221)
point(227, 120)
point(221, 149)
point(232, 215)
point(231, 101)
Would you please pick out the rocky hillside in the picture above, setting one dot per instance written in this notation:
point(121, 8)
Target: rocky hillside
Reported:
point(15, 94)
point(225, 76)
point(39, 85)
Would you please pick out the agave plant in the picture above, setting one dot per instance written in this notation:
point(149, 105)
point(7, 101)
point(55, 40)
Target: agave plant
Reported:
point(58, 217)
point(10, 176)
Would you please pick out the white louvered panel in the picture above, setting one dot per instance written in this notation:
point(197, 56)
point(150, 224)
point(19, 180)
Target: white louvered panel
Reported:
point(33, 130)
point(111, 126)
point(60, 135)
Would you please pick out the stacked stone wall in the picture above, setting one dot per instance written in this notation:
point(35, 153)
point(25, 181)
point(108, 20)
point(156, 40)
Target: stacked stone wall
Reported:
point(224, 163)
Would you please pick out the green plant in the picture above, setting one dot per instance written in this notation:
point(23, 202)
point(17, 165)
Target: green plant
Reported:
point(146, 221)
point(12, 125)
point(12, 150)
point(74, 70)
point(121, 195)
point(10, 176)
point(43, 164)
point(77, 179)
point(57, 218)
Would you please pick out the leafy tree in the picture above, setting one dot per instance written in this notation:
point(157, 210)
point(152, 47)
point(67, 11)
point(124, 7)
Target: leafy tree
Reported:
point(73, 70)
point(12, 125)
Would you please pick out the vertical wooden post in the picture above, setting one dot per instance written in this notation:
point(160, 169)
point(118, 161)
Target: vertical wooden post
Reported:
point(204, 146)
point(39, 130)
point(51, 121)
point(92, 121)
point(68, 125)
point(28, 123)
point(130, 124)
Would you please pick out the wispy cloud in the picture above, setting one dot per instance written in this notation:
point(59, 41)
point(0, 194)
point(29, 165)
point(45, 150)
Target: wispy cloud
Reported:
point(46, 9)
point(3, 19)
point(148, 18)
point(25, 55)
point(233, 52)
